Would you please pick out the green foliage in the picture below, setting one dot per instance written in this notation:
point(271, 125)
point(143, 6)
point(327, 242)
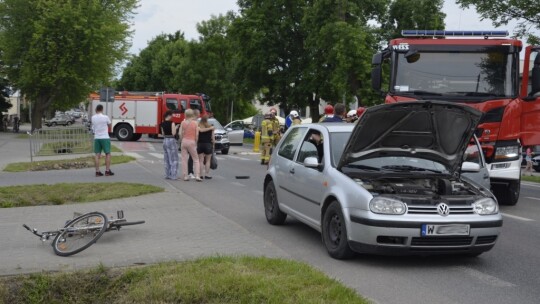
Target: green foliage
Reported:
point(57, 51)
point(503, 11)
point(411, 15)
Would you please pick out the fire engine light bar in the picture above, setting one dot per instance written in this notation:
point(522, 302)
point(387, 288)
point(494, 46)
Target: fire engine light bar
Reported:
point(431, 33)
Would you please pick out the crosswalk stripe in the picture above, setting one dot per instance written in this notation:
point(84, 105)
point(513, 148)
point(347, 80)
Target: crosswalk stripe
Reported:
point(156, 155)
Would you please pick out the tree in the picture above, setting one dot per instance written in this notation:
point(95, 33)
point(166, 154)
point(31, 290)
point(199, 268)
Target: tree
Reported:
point(412, 15)
point(4, 104)
point(502, 11)
point(58, 51)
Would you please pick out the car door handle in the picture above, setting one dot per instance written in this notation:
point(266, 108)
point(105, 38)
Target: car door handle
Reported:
point(291, 171)
point(486, 176)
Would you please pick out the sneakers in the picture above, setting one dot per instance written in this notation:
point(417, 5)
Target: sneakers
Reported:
point(191, 176)
point(109, 173)
point(99, 174)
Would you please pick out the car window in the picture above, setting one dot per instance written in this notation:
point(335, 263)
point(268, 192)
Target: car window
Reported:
point(195, 104)
point(172, 104)
point(338, 140)
point(472, 154)
point(290, 143)
point(238, 125)
point(308, 149)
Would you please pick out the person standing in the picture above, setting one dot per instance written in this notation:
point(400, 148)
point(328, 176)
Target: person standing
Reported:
point(205, 146)
point(295, 118)
point(170, 146)
point(328, 112)
point(528, 159)
point(197, 113)
point(352, 116)
point(102, 141)
point(267, 135)
point(275, 128)
point(339, 113)
point(190, 136)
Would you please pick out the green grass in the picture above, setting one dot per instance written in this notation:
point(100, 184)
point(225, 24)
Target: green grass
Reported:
point(249, 141)
point(76, 163)
point(69, 193)
point(206, 280)
point(534, 179)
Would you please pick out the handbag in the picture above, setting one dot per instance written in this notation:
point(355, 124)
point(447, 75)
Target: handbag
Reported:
point(213, 161)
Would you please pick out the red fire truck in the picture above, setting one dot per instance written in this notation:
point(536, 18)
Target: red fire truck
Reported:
point(480, 69)
point(136, 113)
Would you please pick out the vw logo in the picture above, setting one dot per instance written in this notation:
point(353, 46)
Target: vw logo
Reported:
point(443, 209)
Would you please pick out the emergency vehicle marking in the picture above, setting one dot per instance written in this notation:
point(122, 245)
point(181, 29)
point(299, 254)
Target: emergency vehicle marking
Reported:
point(123, 108)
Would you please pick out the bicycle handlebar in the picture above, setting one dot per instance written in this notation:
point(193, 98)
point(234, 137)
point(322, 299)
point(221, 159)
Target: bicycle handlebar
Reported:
point(34, 231)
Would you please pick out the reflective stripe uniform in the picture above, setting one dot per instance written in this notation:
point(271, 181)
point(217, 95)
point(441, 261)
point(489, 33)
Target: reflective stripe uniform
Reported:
point(267, 135)
point(275, 129)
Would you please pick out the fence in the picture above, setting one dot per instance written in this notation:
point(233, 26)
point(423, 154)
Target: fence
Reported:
point(58, 141)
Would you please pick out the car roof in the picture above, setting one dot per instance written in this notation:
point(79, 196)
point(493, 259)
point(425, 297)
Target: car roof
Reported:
point(331, 127)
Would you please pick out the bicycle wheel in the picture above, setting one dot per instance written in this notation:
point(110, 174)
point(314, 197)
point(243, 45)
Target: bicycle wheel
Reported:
point(80, 233)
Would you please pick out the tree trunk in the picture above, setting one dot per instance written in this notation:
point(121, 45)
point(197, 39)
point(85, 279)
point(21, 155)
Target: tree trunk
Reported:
point(314, 108)
point(38, 109)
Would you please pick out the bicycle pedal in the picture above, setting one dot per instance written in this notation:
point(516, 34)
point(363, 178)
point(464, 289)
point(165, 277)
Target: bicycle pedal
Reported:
point(120, 214)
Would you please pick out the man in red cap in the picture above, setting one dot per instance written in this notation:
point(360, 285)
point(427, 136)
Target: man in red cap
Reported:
point(328, 112)
point(360, 111)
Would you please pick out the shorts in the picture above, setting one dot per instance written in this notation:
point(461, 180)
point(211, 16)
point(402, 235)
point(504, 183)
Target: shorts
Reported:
point(102, 145)
point(205, 148)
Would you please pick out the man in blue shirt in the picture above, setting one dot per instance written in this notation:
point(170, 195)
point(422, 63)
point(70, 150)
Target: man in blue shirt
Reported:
point(339, 113)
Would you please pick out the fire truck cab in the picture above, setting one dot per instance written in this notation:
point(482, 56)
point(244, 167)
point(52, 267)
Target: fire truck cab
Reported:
point(481, 69)
point(136, 113)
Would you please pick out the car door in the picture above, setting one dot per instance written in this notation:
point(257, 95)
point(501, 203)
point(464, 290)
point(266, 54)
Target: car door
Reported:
point(235, 131)
point(474, 154)
point(283, 161)
point(307, 186)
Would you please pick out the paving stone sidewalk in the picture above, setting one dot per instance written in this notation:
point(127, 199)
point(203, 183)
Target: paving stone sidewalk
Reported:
point(177, 228)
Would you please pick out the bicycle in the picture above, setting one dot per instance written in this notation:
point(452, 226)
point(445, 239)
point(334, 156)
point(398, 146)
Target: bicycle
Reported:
point(82, 231)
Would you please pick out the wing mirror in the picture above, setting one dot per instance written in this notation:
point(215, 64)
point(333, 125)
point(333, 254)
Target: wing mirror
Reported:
point(312, 162)
point(470, 167)
point(229, 129)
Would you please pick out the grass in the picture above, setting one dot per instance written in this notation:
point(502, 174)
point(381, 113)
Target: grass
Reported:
point(249, 140)
point(69, 193)
point(76, 163)
point(206, 280)
point(78, 146)
point(534, 179)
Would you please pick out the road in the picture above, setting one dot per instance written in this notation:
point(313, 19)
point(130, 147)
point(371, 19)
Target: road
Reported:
point(507, 274)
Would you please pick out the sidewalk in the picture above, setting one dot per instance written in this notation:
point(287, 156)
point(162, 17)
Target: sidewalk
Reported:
point(177, 228)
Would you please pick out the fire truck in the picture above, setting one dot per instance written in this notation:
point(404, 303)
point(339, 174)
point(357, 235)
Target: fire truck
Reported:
point(136, 113)
point(481, 69)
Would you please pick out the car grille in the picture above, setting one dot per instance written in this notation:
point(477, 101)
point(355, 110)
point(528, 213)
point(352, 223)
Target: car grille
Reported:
point(442, 241)
point(454, 210)
point(486, 239)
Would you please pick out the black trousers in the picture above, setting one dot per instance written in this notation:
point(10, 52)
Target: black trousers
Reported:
point(190, 165)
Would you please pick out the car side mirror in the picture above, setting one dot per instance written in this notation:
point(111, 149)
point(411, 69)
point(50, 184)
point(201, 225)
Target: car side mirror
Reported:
point(229, 129)
point(312, 162)
point(470, 167)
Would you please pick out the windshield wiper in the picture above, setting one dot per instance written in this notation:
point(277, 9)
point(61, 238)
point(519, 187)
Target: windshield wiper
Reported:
point(478, 94)
point(362, 167)
point(404, 168)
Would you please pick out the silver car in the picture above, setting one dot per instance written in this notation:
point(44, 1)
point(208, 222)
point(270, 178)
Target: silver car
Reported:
point(391, 184)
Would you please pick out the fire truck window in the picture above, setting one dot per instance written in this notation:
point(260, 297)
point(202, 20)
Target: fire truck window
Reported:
point(172, 104)
point(195, 104)
point(183, 102)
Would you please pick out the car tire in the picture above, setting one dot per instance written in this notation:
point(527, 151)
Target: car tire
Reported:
point(123, 132)
point(334, 233)
point(68, 123)
point(53, 124)
point(508, 195)
point(273, 214)
point(225, 151)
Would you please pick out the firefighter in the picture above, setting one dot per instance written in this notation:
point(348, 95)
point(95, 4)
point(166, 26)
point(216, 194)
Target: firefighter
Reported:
point(328, 112)
point(295, 118)
point(275, 128)
point(267, 136)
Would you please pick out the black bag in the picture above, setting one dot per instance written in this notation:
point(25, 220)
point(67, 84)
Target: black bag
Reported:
point(213, 162)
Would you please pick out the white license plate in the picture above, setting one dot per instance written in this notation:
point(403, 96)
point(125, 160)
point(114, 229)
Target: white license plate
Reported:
point(454, 229)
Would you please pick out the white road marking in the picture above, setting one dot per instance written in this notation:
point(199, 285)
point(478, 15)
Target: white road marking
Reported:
point(485, 278)
point(220, 158)
point(238, 184)
point(517, 217)
point(133, 154)
point(151, 147)
point(533, 198)
point(259, 192)
point(535, 185)
point(156, 155)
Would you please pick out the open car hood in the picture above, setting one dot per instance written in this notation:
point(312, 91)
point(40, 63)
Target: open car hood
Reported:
point(433, 130)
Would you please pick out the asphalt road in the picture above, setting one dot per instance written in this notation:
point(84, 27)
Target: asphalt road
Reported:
point(510, 273)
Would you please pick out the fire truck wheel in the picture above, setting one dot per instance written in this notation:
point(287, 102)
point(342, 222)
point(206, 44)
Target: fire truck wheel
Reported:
point(508, 194)
point(123, 132)
point(136, 136)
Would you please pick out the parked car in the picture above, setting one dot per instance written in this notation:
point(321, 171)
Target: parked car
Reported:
point(221, 135)
point(235, 131)
point(59, 120)
point(391, 184)
point(536, 163)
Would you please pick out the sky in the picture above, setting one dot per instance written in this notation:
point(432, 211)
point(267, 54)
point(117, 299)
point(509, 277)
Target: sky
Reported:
point(167, 16)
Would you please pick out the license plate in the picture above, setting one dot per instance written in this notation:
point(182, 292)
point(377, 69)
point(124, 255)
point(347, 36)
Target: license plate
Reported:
point(454, 229)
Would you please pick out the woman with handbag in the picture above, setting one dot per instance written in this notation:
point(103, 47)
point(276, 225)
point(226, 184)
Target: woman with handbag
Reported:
point(205, 146)
point(190, 136)
point(170, 146)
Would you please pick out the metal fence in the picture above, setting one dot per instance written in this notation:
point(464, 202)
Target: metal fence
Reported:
point(59, 141)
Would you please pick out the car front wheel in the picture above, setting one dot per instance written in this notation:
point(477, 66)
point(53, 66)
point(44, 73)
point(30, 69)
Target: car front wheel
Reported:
point(334, 233)
point(273, 214)
point(225, 151)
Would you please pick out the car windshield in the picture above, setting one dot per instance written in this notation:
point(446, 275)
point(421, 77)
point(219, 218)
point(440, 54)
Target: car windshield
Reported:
point(216, 124)
point(457, 74)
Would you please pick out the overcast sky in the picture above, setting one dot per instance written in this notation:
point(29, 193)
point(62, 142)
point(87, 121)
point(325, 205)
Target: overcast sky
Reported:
point(167, 16)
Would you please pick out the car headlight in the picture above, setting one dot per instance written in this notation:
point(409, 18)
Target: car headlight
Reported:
point(385, 205)
point(485, 206)
point(507, 153)
point(225, 136)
